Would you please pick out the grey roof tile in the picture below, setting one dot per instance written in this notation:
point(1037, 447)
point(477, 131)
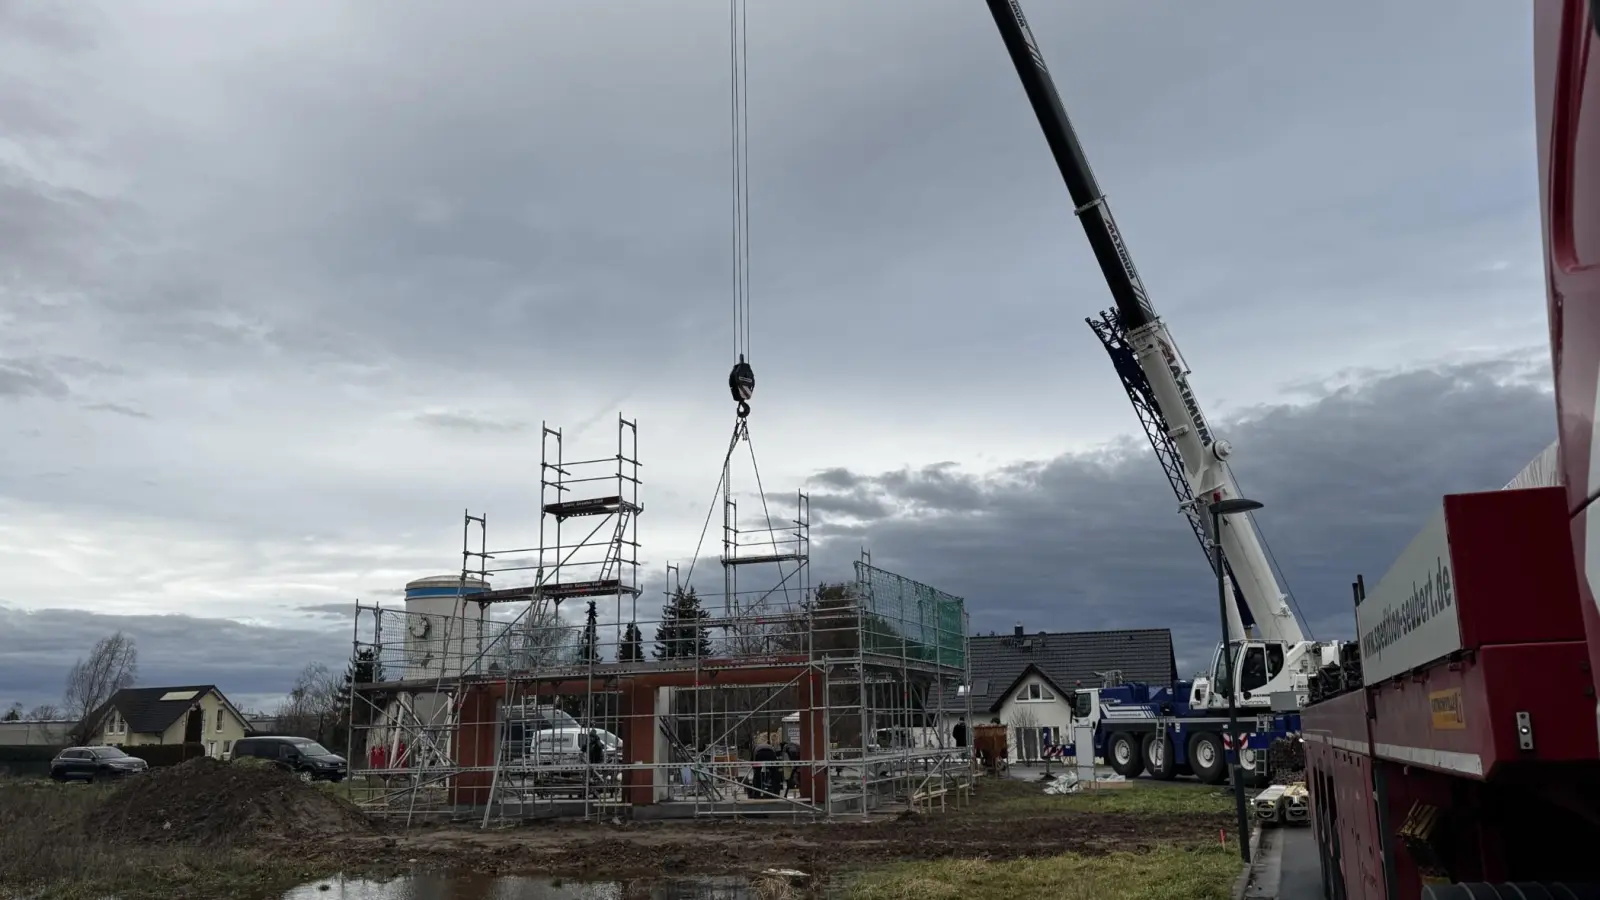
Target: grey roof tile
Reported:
point(145, 711)
point(1070, 658)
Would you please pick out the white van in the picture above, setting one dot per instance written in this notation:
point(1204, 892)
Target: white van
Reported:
point(547, 738)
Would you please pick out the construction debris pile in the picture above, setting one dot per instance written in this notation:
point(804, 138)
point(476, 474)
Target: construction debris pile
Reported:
point(204, 801)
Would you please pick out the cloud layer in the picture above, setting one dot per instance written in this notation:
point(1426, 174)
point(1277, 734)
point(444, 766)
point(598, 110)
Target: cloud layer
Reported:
point(1079, 542)
point(1088, 541)
point(286, 286)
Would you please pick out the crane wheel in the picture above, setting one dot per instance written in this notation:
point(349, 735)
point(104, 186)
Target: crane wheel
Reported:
point(1158, 759)
point(1207, 758)
point(1125, 755)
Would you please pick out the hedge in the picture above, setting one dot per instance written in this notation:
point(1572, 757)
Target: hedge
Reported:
point(34, 759)
point(27, 759)
point(29, 752)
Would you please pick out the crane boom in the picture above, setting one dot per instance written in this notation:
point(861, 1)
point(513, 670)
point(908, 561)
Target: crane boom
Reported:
point(1202, 456)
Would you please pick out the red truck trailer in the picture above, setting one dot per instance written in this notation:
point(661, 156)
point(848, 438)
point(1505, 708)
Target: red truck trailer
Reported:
point(1462, 758)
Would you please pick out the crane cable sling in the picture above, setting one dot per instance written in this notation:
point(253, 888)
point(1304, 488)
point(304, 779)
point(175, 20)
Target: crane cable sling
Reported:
point(715, 494)
point(742, 380)
point(741, 431)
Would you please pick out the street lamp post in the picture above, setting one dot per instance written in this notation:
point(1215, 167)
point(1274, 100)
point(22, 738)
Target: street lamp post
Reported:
point(1219, 509)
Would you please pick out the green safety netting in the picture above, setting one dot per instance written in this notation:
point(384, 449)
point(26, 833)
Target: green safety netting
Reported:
point(901, 617)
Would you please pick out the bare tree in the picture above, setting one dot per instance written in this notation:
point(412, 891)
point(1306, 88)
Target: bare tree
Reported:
point(1026, 726)
point(112, 664)
point(44, 712)
point(312, 706)
point(540, 639)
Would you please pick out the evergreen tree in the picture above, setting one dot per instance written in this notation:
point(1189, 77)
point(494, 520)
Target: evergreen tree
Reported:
point(364, 668)
point(13, 714)
point(680, 636)
point(589, 645)
point(632, 649)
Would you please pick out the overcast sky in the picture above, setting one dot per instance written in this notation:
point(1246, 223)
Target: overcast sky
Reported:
point(285, 286)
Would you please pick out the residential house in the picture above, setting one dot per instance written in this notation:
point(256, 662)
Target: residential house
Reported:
point(1025, 681)
point(193, 714)
point(1038, 712)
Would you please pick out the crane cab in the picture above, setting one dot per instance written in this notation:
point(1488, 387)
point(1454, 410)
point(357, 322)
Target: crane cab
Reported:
point(1258, 668)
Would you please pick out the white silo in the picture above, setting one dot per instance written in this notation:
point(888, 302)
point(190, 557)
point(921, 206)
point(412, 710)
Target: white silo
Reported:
point(442, 626)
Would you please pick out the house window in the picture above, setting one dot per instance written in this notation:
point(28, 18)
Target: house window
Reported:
point(117, 726)
point(211, 748)
point(1027, 744)
point(219, 718)
point(227, 747)
point(1036, 691)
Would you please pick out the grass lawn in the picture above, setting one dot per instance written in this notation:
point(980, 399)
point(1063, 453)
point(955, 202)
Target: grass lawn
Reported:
point(1149, 798)
point(1200, 868)
point(1169, 873)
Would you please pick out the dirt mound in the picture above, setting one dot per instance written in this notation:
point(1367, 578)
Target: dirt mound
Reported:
point(204, 801)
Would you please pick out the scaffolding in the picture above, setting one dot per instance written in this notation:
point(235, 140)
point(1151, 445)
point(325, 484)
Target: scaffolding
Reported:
point(529, 686)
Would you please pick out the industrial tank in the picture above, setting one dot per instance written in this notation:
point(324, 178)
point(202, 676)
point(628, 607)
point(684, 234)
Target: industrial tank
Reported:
point(441, 625)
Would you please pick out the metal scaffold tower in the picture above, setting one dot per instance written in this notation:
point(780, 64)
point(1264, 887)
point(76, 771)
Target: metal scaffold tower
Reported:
point(603, 495)
point(790, 700)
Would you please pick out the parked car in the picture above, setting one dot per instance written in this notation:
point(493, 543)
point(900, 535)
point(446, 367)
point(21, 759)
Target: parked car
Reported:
point(307, 759)
point(547, 737)
point(89, 763)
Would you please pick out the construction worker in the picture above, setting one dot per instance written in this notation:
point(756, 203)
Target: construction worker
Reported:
point(765, 759)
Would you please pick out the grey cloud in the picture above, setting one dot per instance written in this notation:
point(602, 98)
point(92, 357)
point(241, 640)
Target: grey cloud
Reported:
point(468, 215)
point(344, 610)
point(458, 420)
point(60, 29)
point(30, 378)
point(836, 478)
point(1081, 542)
point(37, 647)
point(363, 239)
point(118, 409)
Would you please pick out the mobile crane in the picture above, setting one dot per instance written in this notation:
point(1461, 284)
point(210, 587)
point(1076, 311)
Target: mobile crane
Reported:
point(1142, 727)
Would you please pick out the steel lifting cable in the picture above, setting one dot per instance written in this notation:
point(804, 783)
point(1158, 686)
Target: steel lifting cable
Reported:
point(742, 380)
point(738, 431)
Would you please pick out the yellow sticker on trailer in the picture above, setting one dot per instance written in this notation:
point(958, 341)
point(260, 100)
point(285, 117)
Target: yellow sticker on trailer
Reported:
point(1448, 714)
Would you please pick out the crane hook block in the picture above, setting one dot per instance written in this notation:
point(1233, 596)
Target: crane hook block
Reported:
point(742, 384)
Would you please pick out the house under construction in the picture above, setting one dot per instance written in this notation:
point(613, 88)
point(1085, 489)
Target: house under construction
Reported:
point(538, 682)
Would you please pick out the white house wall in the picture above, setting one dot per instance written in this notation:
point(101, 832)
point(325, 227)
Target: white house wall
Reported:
point(1053, 714)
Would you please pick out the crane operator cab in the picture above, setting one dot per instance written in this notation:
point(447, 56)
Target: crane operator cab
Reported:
point(1257, 666)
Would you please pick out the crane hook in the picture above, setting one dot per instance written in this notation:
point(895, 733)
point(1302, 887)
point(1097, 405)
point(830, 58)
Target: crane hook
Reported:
point(742, 383)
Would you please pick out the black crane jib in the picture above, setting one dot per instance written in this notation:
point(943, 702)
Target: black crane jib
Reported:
point(1116, 264)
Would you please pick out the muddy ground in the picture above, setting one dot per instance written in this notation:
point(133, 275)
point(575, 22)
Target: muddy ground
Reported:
point(207, 829)
point(1005, 821)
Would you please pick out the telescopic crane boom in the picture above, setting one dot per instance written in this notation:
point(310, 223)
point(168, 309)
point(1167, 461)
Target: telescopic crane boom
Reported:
point(1201, 457)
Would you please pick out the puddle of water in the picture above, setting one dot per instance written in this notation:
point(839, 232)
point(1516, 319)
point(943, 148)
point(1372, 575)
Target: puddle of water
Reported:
point(447, 886)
